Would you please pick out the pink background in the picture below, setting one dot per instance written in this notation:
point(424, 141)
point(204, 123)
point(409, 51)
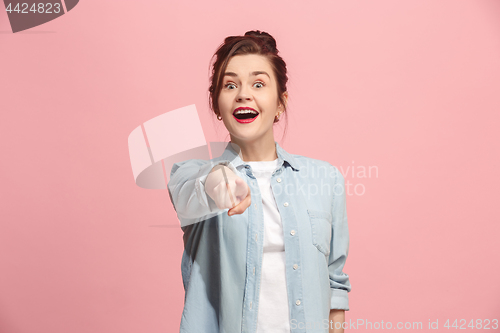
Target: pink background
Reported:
point(410, 87)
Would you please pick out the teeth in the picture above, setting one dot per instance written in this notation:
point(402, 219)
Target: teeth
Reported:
point(245, 111)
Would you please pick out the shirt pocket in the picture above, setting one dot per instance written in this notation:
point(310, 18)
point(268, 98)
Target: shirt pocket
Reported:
point(321, 227)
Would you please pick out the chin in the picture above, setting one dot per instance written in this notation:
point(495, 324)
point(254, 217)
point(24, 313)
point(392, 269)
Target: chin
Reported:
point(244, 136)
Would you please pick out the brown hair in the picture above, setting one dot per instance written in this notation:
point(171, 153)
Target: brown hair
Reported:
point(253, 42)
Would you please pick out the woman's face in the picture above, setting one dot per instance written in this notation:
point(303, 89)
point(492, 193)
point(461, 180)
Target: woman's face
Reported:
point(248, 101)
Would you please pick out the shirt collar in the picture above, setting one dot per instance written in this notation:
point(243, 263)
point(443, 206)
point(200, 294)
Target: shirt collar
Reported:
point(232, 153)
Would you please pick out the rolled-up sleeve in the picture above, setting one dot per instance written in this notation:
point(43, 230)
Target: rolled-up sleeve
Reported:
point(339, 246)
point(186, 189)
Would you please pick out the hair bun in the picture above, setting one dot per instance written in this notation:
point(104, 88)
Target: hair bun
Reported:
point(268, 40)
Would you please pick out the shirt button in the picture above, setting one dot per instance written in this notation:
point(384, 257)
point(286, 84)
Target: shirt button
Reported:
point(294, 266)
point(256, 237)
point(297, 302)
point(254, 271)
point(255, 205)
point(251, 304)
point(278, 180)
point(292, 232)
point(285, 204)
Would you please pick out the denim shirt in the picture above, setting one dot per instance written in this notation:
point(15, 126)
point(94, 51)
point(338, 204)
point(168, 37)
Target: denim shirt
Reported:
point(222, 258)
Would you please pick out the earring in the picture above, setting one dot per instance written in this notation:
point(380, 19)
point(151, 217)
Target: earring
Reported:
point(277, 118)
point(219, 117)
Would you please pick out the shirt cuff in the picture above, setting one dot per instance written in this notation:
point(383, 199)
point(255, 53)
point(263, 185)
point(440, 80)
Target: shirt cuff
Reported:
point(339, 299)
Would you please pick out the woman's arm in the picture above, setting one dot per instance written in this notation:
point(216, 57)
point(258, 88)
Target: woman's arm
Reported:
point(337, 318)
point(339, 246)
point(186, 189)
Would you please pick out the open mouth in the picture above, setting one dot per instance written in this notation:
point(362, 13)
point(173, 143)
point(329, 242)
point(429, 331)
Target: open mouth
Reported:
point(245, 115)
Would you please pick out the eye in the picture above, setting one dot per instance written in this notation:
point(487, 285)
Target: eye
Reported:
point(261, 83)
point(228, 84)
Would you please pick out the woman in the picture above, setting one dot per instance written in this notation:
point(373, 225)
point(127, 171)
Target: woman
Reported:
point(273, 262)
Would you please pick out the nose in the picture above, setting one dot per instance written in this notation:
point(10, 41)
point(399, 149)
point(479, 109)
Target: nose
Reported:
point(243, 94)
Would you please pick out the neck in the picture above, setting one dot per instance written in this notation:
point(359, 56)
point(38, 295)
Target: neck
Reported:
point(259, 150)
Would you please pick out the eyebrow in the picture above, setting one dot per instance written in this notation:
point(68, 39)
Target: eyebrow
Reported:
point(251, 74)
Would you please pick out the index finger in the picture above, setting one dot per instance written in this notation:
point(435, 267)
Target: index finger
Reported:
point(227, 186)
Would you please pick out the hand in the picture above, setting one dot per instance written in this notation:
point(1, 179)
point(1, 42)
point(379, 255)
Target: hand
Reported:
point(235, 194)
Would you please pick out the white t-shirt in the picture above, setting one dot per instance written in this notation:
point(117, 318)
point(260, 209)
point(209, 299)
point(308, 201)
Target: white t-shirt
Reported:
point(274, 315)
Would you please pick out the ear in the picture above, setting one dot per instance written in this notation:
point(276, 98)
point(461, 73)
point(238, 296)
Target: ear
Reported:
point(285, 98)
